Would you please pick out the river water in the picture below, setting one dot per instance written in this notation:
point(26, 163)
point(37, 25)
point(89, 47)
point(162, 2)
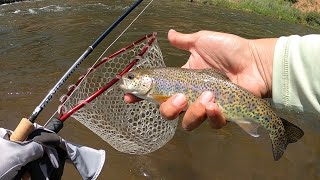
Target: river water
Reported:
point(40, 40)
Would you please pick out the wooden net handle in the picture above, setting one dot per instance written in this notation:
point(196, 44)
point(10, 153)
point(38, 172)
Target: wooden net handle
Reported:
point(22, 131)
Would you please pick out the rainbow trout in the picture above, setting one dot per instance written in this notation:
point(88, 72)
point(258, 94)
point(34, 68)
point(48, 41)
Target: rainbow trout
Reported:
point(237, 104)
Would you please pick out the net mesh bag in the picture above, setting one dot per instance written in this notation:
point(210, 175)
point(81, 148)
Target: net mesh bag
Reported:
point(134, 128)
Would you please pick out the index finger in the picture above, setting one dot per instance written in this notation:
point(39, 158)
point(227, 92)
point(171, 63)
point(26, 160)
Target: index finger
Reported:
point(129, 98)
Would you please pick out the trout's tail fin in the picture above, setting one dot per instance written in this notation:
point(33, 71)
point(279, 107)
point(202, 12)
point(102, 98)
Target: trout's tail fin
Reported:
point(279, 143)
point(293, 132)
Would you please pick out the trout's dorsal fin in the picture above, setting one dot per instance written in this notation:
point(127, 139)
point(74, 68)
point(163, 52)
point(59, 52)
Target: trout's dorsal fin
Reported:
point(215, 73)
point(251, 127)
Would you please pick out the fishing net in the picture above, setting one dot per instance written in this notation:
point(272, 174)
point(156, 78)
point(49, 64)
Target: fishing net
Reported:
point(134, 128)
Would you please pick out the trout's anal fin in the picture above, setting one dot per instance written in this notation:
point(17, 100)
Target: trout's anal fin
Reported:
point(250, 127)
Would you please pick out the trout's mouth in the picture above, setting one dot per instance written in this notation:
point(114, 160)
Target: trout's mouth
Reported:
point(138, 87)
point(123, 85)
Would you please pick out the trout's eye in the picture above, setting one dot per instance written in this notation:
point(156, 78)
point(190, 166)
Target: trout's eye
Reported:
point(130, 76)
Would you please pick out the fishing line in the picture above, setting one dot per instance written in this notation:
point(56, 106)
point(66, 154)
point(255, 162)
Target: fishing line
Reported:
point(98, 59)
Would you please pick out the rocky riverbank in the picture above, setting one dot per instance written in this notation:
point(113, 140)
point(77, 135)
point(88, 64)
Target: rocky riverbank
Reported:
point(308, 5)
point(297, 11)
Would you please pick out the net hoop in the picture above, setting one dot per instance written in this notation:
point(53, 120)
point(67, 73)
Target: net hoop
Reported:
point(104, 60)
point(130, 128)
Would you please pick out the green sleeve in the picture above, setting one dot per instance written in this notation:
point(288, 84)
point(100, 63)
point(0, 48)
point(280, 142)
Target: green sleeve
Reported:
point(296, 72)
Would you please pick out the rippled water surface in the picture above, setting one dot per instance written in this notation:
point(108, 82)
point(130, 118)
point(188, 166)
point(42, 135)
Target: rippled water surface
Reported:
point(40, 40)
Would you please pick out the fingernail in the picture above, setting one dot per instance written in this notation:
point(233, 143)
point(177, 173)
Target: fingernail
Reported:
point(179, 100)
point(210, 106)
point(206, 97)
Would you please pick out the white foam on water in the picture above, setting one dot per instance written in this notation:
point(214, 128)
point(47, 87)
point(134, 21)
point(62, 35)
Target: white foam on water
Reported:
point(17, 11)
point(96, 4)
point(32, 11)
point(53, 8)
point(50, 8)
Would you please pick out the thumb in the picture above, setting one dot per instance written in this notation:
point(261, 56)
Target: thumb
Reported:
point(180, 40)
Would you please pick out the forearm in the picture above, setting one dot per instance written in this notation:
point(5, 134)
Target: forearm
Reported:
point(296, 72)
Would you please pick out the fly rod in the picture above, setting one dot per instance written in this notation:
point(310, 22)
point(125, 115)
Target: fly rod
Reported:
point(25, 127)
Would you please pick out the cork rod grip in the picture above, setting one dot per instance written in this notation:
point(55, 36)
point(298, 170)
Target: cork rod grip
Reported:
point(22, 131)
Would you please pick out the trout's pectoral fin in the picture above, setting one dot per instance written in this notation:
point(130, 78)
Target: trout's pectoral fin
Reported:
point(250, 127)
point(160, 98)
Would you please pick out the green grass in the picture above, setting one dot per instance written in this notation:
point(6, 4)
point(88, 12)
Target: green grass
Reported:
point(280, 9)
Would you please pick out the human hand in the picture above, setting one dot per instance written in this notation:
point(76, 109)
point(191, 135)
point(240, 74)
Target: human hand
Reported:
point(43, 155)
point(247, 63)
point(21, 157)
